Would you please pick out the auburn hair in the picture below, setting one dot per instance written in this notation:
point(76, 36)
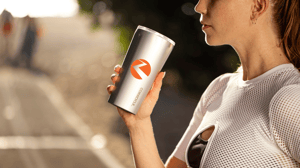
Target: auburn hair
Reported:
point(286, 14)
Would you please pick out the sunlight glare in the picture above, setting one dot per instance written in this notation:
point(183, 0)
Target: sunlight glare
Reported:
point(40, 8)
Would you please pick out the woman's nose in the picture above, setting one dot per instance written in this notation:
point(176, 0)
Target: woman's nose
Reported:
point(200, 7)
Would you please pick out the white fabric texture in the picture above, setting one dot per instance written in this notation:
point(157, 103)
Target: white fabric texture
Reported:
point(257, 122)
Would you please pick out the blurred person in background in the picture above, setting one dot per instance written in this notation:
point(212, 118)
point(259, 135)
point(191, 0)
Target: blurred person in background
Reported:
point(6, 25)
point(249, 118)
point(29, 43)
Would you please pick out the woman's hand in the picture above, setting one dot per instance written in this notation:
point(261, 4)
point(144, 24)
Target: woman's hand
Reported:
point(147, 105)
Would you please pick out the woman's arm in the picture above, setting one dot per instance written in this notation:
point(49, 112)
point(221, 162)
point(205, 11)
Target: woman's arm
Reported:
point(145, 150)
point(144, 146)
point(174, 162)
point(139, 125)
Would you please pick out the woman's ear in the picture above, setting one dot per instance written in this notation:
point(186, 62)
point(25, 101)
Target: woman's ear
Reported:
point(258, 8)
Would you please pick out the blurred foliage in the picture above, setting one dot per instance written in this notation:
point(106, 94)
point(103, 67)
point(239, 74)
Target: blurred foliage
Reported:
point(86, 5)
point(197, 63)
point(124, 38)
point(94, 27)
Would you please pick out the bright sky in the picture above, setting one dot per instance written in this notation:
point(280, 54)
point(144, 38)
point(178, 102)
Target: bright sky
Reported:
point(40, 8)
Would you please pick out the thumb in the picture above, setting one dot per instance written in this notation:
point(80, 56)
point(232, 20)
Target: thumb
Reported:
point(154, 92)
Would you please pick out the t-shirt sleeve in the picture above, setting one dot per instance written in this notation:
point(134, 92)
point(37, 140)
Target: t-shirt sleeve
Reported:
point(198, 115)
point(180, 149)
point(285, 120)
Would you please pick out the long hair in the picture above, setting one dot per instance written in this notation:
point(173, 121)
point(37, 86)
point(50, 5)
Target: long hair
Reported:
point(286, 14)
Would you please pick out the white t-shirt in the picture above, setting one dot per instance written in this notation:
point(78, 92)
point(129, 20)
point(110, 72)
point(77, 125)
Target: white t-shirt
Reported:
point(257, 122)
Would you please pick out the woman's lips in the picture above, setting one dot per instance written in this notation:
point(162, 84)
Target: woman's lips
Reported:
point(205, 26)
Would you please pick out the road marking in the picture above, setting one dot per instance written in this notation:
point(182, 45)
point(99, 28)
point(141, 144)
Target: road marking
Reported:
point(19, 124)
point(55, 97)
point(76, 122)
point(43, 142)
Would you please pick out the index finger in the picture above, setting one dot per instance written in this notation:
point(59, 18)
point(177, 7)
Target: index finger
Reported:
point(118, 69)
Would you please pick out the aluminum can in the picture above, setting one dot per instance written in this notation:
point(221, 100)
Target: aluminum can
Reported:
point(145, 57)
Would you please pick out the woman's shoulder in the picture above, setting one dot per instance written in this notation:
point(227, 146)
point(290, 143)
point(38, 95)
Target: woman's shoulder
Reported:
point(288, 95)
point(219, 82)
point(290, 84)
point(223, 78)
point(216, 87)
point(285, 96)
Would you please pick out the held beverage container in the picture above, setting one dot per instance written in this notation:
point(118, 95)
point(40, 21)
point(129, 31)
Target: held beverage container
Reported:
point(145, 57)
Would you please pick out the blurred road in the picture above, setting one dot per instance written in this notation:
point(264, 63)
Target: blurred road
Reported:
point(39, 130)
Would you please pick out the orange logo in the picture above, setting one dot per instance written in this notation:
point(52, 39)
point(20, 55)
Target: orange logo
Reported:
point(140, 69)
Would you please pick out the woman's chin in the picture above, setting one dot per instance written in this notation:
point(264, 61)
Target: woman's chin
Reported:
point(212, 42)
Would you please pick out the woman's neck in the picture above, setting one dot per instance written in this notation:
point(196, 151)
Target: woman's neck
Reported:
point(260, 54)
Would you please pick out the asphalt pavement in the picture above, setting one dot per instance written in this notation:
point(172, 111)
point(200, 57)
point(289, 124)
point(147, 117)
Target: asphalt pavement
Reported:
point(38, 130)
point(78, 64)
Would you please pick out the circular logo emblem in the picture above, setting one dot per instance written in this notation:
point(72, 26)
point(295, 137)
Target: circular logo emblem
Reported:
point(140, 69)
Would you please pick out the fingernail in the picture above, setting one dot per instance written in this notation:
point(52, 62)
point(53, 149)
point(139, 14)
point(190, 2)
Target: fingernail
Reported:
point(116, 67)
point(108, 87)
point(112, 76)
point(164, 74)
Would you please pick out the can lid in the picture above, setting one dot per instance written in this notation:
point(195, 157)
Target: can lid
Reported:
point(156, 33)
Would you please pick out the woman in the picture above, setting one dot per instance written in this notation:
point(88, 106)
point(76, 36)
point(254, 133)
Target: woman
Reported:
point(250, 118)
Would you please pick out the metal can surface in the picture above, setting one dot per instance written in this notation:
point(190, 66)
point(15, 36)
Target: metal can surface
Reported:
point(145, 57)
